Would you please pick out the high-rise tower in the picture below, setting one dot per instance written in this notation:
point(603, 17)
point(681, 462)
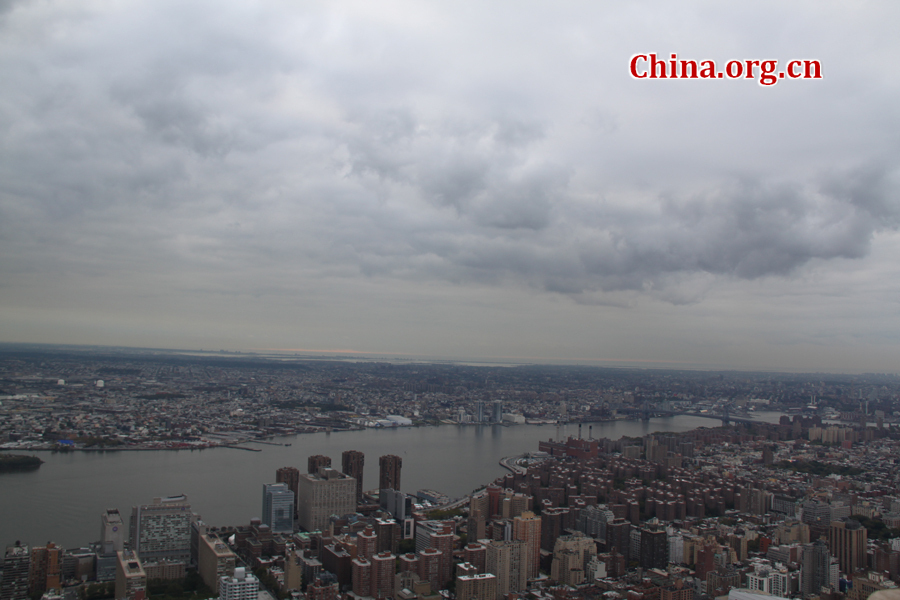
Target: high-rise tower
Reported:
point(847, 542)
point(278, 507)
point(14, 584)
point(162, 529)
point(527, 528)
point(112, 529)
point(291, 477)
point(389, 472)
point(352, 462)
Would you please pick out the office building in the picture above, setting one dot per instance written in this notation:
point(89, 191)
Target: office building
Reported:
point(352, 462)
point(215, 560)
point(240, 586)
point(815, 568)
point(847, 542)
point(16, 567)
point(278, 507)
point(389, 472)
point(131, 580)
point(290, 476)
point(497, 416)
point(112, 529)
point(162, 529)
point(316, 462)
point(323, 494)
point(397, 503)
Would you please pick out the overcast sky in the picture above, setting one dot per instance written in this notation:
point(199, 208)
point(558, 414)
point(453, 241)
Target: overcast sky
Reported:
point(459, 179)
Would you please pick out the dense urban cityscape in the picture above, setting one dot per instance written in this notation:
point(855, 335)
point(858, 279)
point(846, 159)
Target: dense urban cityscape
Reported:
point(806, 507)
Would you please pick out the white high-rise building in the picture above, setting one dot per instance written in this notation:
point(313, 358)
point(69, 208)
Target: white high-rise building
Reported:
point(112, 529)
point(278, 507)
point(240, 586)
point(162, 529)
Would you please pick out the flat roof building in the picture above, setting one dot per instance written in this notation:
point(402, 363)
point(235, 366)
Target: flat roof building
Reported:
point(325, 493)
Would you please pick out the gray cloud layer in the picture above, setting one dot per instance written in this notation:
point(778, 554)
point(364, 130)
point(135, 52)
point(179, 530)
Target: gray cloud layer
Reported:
point(199, 149)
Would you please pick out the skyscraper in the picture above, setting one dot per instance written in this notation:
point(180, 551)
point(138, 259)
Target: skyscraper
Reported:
point(527, 528)
point(46, 563)
point(479, 411)
point(14, 584)
point(162, 529)
point(505, 560)
point(847, 542)
point(278, 507)
point(361, 569)
point(291, 477)
point(815, 568)
point(352, 462)
point(497, 416)
point(112, 529)
point(654, 548)
point(383, 575)
point(389, 472)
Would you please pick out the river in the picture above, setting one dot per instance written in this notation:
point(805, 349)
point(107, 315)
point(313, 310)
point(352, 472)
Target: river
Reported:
point(62, 501)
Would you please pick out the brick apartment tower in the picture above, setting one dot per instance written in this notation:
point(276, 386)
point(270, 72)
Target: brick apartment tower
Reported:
point(317, 461)
point(352, 462)
point(383, 575)
point(366, 543)
point(527, 528)
point(389, 472)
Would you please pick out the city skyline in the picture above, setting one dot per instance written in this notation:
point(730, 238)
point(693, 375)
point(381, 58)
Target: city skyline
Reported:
point(452, 180)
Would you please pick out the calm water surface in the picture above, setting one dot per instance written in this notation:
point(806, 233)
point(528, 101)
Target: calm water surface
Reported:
point(62, 500)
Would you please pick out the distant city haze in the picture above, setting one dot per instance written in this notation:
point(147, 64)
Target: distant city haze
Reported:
point(62, 501)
